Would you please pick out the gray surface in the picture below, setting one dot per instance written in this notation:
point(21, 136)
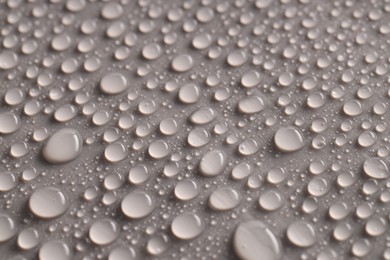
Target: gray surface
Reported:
point(342, 45)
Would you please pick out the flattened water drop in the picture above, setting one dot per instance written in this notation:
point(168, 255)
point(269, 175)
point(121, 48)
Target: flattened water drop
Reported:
point(104, 232)
point(288, 139)
point(28, 238)
point(113, 83)
point(182, 63)
point(56, 249)
point(253, 239)
point(8, 60)
point(301, 234)
point(7, 227)
point(198, 137)
point(186, 190)
point(122, 253)
point(63, 146)
point(137, 204)
point(224, 199)
point(212, 163)
point(203, 115)
point(376, 168)
point(251, 105)
point(189, 94)
point(8, 181)
point(48, 202)
point(9, 123)
point(250, 79)
point(115, 152)
point(187, 226)
point(270, 200)
point(158, 149)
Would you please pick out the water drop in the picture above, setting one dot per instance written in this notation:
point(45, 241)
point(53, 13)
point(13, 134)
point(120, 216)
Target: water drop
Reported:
point(104, 231)
point(212, 163)
point(63, 146)
point(137, 204)
point(187, 226)
point(301, 234)
point(288, 139)
point(253, 239)
point(48, 202)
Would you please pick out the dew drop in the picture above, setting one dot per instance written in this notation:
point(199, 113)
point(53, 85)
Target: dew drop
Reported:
point(375, 168)
point(288, 139)
point(8, 181)
point(224, 199)
point(158, 149)
point(212, 163)
point(104, 232)
point(251, 105)
point(115, 152)
point(8, 228)
point(55, 250)
point(187, 226)
point(182, 63)
point(113, 83)
point(48, 202)
point(270, 200)
point(137, 204)
point(253, 239)
point(10, 123)
point(186, 190)
point(28, 238)
point(301, 234)
point(63, 146)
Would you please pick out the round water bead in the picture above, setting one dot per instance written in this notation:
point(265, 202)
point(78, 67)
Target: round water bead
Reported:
point(301, 234)
point(63, 146)
point(288, 139)
point(48, 202)
point(55, 250)
point(187, 226)
point(212, 163)
point(137, 204)
point(253, 239)
point(224, 199)
point(104, 232)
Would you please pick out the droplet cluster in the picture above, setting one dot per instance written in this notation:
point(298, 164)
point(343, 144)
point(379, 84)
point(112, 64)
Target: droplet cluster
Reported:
point(194, 129)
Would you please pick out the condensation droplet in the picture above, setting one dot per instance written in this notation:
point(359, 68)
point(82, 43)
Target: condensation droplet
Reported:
point(376, 168)
point(48, 202)
point(63, 146)
point(253, 239)
point(104, 231)
point(301, 234)
point(288, 139)
point(212, 163)
point(115, 152)
point(113, 83)
point(55, 250)
point(8, 228)
point(182, 63)
point(137, 204)
point(224, 199)
point(187, 226)
point(10, 123)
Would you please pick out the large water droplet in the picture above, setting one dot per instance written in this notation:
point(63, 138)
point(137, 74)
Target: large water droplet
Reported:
point(63, 146)
point(254, 240)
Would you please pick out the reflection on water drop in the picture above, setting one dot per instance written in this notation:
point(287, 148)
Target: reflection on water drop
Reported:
point(7, 227)
point(104, 232)
point(253, 239)
point(63, 146)
point(301, 234)
point(48, 202)
point(187, 226)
